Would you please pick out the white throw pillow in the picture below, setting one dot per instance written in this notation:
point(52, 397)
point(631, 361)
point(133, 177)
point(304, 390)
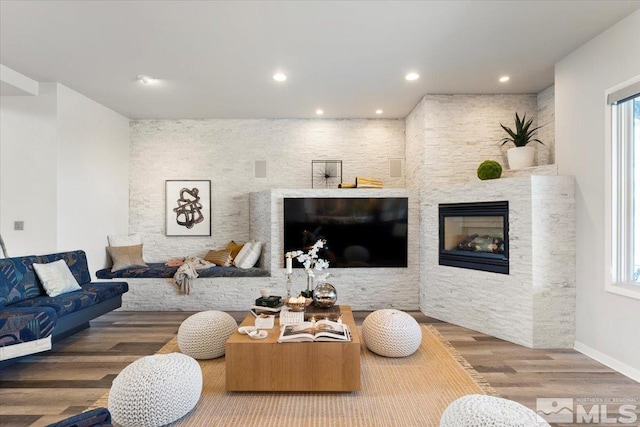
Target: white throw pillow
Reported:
point(131, 240)
point(248, 255)
point(56, 278)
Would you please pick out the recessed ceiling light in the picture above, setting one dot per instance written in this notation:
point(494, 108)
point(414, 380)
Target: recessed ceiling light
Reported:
point(319, 112)
point(412, 76)
point(145, 79)
point(378, 111)
point(279, 77)
point(504, 79)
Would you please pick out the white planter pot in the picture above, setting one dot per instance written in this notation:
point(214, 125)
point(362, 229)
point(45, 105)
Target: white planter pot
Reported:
point(521, 157)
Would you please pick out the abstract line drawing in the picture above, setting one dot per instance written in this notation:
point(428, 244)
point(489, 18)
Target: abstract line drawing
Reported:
point(188, 208)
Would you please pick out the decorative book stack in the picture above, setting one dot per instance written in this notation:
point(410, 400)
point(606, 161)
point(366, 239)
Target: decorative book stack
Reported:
point(362, 182)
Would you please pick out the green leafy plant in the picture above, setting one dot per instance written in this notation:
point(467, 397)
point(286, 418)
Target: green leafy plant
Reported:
point(489, 169)
point(522, 135)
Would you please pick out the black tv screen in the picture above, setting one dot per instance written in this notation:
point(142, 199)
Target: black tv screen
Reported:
point(360, 232)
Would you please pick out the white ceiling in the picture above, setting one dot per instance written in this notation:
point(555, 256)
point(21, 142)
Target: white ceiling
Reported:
point(216, 59)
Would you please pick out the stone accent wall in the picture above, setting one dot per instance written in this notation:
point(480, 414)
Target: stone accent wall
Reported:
point(547, 119)
point(415, 131)
point(210, 293)
point(361, 288)
point(461, 131)
point(225, 151)
point(534, 305)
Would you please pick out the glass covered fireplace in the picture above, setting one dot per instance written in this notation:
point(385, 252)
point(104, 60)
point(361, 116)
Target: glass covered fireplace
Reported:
point(475, 236)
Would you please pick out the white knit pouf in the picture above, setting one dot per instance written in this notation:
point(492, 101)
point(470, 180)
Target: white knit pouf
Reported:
point(391, 333)
point(155, 390)
point(203, 335)
point(476, 410)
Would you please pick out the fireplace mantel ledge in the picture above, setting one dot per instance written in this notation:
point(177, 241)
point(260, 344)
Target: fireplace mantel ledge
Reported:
point(547, 170)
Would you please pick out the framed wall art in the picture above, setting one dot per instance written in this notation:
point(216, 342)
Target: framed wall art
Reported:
point(326, 173)
point(188, 207)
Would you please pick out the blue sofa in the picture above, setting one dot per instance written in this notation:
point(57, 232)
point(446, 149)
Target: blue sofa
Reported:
point(30, 320)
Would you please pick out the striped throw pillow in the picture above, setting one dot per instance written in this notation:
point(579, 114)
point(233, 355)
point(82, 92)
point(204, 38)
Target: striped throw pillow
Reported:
point(220, 257)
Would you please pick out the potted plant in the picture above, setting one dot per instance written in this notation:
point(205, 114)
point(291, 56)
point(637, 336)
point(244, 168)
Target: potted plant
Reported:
point(521, 156)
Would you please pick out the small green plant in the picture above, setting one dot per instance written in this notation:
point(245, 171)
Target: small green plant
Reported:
point(489, 169)
point(522, 135)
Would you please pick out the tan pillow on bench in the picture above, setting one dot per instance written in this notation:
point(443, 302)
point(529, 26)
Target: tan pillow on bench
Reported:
point(220, 257)
point(126, 257)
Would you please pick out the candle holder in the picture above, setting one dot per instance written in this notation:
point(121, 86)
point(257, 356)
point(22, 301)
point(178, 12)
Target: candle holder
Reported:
point(288, 285)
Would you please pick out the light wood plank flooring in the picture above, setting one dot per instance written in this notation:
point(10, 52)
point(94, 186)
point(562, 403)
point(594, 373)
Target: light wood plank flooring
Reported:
point(45, 388)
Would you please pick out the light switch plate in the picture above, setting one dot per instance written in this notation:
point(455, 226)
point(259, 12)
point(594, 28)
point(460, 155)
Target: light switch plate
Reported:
point(18, 225)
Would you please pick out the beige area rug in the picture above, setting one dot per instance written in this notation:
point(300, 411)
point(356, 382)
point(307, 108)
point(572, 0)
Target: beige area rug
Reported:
point(410, 391)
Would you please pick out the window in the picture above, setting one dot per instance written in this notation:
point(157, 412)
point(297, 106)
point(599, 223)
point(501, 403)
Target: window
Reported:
point(625, 188)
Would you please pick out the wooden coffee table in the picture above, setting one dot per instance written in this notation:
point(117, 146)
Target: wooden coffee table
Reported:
point(266, 365)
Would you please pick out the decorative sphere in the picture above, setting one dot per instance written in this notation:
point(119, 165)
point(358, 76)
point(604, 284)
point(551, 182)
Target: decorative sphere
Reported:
point(325, 295)
point(489, 169)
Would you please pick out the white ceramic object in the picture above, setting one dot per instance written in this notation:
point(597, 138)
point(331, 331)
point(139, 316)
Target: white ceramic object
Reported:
point(258, 334)
point(521, 157)
point(244, 330)
point(265, 292)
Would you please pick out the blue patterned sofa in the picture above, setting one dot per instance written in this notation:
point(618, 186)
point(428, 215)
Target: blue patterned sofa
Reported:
point(30, 320)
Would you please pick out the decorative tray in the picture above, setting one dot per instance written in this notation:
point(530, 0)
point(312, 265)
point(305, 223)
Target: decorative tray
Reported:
point(297, 304)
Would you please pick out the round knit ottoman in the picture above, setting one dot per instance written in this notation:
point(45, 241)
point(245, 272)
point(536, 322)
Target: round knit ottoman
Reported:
point(203, 335)
point(155, 390)
point(391, 333)
point(479, 410)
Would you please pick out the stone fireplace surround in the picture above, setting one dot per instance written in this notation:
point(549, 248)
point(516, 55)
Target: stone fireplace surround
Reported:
point(534, 305)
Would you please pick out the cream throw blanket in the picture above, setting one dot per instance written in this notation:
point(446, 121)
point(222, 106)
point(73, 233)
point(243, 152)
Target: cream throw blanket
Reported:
point(188, 271)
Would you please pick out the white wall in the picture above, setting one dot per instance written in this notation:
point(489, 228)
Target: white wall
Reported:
point(28, 187)
point(64, 171)
point(224, 151)
point(606, 324)
point(93, 175)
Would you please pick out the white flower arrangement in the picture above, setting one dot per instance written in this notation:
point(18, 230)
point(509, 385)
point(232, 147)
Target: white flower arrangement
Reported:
point(310, 260)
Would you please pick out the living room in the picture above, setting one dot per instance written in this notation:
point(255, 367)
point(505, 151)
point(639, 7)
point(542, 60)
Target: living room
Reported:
point(87, 147)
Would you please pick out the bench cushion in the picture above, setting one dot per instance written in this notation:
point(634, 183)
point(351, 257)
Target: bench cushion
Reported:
point(24, 324)
point(158, 270)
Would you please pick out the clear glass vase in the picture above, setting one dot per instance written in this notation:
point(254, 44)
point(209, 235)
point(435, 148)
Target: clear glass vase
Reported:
point(308, 293)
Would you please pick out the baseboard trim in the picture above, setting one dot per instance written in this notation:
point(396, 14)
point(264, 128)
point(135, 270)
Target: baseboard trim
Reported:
point(615, 364)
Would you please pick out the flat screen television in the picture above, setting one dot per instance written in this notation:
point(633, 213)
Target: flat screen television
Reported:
point(360, 232)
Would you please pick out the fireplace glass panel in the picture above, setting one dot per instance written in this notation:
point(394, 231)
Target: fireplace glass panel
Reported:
point(484, 234)
point(475, 235)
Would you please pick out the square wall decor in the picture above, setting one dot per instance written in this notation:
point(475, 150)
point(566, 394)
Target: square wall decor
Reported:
point(326, 173)
point(188, 208)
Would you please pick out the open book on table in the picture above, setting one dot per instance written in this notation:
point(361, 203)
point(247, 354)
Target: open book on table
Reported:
point(322, 330)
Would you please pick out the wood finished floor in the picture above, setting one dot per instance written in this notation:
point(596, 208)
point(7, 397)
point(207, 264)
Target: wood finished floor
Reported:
point(54, 385)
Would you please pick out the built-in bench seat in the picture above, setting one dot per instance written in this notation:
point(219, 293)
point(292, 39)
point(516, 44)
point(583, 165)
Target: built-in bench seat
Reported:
point(159, 270)
point(216, 288)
